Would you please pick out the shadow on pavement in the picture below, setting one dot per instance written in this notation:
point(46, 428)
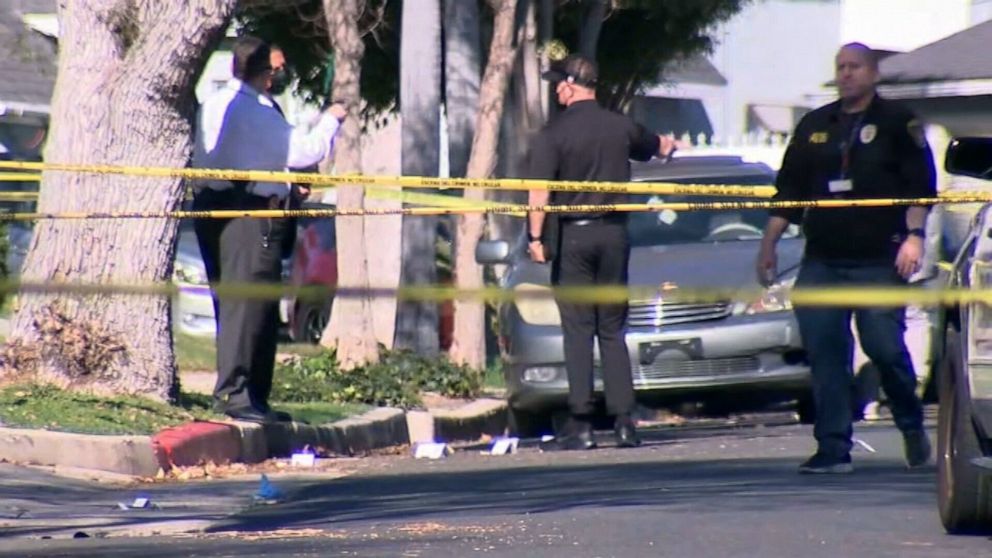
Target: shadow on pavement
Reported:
point(732, 485)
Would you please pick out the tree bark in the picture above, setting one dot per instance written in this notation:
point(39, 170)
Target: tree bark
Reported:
point(351, 328)
point(383, 233)
point(469, 347)
point(462, 75)
point(523, 117)
point(123, 96)
point(420, 105)
point(592, 24)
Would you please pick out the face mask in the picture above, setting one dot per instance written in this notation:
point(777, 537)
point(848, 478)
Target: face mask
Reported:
point(280, 81)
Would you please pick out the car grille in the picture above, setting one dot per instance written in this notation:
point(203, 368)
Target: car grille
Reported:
point(663, 369)
point(654, 314)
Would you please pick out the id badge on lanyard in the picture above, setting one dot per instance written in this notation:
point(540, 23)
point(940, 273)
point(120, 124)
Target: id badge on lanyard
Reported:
point(844, 183)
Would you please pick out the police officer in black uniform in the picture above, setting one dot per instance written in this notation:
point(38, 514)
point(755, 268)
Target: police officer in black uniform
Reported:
point(587, 142)
point(861, 146)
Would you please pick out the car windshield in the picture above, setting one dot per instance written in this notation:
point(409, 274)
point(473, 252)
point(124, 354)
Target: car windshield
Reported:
point(652, 228)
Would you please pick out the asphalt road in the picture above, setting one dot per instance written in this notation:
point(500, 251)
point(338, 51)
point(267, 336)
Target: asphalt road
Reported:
point(728, 491)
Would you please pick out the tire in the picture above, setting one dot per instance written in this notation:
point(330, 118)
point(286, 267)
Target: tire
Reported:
point(525, 424)
point(310, 321)
point(806, 409)
point(964, 492)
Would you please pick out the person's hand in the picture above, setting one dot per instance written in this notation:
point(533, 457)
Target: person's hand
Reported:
point(338, 111)
point(303, 191)
point(536, 250)
point(767, 265)
point(909, 257)
point(666, 145)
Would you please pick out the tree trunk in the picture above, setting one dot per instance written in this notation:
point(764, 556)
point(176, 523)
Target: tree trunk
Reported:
point(545, 34)
point(469, 346)
point(351, 327)
point(592, 24)
point(123, 96)
point(381, 157)
point(462, 74)
point(420, 105)
point(523, 117)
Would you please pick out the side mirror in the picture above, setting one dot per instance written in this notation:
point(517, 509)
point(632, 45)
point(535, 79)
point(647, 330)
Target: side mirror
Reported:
point(492, 252)
point(970, 157)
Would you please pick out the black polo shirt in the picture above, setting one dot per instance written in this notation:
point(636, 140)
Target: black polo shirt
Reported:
point(589, 143)
point(888, 157)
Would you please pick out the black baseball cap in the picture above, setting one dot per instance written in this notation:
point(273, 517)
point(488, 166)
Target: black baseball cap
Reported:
point(575, 69)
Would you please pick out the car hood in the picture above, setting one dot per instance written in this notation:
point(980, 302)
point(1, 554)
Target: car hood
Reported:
point(717, 265)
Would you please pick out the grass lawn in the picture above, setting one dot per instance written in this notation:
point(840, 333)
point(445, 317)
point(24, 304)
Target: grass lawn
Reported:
point(195, 353)
point(494, 376)
point(200, 353)
point(50, 408)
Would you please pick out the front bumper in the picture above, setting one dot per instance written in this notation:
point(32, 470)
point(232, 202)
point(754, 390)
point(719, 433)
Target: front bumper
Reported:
point(737, 354)
point(193, 311)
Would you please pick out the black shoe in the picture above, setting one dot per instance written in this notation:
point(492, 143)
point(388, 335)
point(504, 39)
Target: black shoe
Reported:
point(250, 414)
point(279, 416)
point(626, 434)
point(916, 447)
point(823, 464)
point(578, 437)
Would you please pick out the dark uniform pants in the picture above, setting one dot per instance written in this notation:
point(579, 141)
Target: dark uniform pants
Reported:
point(826, 334)
point(595, 253)
point(242, 250)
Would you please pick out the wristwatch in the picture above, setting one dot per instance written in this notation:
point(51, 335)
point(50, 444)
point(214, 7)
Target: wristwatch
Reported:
point(916, 232)
point(532, 238)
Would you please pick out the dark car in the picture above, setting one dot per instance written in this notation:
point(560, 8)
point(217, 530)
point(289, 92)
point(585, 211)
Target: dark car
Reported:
point(742, 350)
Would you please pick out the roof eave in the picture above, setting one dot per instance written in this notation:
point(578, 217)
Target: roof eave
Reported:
point(936, 88)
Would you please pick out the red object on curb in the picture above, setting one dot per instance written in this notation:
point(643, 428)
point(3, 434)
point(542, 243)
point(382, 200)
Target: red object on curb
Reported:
point(195, 443)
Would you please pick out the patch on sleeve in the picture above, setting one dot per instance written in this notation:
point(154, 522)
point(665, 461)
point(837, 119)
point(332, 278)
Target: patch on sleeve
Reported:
point(819, 137)
point(916, 131)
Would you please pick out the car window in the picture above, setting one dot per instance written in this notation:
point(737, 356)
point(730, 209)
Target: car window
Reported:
point(652, 228)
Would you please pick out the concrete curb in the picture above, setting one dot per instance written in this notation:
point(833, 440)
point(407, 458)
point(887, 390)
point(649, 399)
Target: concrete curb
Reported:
point(471, 421)
point(228, 442)
point(130, 455)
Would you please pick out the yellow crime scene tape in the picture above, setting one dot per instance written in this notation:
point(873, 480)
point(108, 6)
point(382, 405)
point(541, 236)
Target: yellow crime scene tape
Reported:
point(18, 196)
point(19, 177)
point(384, 188)
point(374, 192)
point(853, 297)
point(429, 182)
point(491, 209)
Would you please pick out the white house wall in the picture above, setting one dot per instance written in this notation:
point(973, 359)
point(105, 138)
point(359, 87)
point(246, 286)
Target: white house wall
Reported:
point(774, 53)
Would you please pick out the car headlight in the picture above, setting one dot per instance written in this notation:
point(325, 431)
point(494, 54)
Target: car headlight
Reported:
point(190, 274)
point(774, 299)
point(537, 306)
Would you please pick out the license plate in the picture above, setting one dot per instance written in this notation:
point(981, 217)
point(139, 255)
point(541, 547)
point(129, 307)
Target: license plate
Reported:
point(691, 348)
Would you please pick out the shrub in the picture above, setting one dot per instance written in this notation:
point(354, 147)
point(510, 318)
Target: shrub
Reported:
point(396, 380)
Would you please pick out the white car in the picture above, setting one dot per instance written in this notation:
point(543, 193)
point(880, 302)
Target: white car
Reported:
point(192, 307)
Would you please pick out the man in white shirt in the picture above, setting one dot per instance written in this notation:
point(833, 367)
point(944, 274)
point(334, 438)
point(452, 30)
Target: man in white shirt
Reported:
point(239, 128)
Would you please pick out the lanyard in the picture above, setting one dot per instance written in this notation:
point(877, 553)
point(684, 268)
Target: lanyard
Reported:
point(848, 146)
